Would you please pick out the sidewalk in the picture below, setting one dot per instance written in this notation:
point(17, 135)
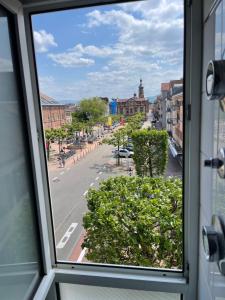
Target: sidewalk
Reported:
point(53, 163)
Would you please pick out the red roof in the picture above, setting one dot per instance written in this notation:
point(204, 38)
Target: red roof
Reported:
point(165, 87)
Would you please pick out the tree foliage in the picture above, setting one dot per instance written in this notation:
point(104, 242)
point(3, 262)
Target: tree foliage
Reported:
point(91, 110)
point(150, 152)
point(118, 139)
point(58, 134)
point(135, 221)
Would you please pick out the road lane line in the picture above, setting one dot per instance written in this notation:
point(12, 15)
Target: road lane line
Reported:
point(81, 256)
point(92, 184)
point(61, 173)
point(100, 173)
point(85, 193)
point(66, 236)
point(97, 178)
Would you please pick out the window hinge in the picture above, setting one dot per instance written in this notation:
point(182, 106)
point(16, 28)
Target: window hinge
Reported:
point(188, 112)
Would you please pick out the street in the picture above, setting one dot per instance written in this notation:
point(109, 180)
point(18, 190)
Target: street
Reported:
point(69, 186)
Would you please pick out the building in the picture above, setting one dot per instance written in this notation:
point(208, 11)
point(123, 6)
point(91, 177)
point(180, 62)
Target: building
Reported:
point(173, 105)
point(69, 109)
point(165, 92)
point(113, 107)
point(29, 267)
point(136, 104)
point(53, 113)
point(174, 119)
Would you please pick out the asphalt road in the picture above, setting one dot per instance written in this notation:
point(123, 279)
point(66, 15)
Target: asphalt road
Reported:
point(69, 186)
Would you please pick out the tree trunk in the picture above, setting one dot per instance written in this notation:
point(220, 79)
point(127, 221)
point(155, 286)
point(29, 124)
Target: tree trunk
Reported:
point(118, 159)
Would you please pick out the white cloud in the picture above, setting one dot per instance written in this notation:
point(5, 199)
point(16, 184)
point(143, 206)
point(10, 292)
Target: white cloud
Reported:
point(43, 41)
point(71, 60)
point(92, 50)
point(148, 44)
point(157, 10)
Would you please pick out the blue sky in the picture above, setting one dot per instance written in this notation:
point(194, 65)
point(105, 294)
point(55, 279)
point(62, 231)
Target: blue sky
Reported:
point(104, 50)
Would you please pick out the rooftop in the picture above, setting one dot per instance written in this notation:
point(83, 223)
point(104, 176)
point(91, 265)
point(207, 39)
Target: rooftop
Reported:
point(47, 100)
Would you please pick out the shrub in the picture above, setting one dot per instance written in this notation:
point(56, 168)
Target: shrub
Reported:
point(150, 152)
point(135, 221)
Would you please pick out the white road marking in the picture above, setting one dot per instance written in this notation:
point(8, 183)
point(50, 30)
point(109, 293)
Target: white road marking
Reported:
point(55, 179)
point(66, 236)
point(100, 173)
point(92, 184)
point(85, 193)
point(81, 256)
point(97, 178)
point(61, 173)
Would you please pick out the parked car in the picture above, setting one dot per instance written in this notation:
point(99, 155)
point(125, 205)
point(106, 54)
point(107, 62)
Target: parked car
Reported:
point(123, 153)
point(129, 147)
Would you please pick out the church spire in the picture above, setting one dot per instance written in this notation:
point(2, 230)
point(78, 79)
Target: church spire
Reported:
point(141, 90)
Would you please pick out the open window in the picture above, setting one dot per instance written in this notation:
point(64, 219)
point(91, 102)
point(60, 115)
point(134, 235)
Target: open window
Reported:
point(114, 152)
point(115, 218)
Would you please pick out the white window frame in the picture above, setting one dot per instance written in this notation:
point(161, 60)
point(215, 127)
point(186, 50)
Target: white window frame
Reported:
point(129, 277)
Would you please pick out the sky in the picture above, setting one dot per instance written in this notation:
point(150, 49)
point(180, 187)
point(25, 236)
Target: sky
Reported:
point(105, 50)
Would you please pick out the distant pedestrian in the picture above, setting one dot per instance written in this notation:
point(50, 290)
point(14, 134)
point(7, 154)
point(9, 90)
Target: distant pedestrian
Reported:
point(62, 158)
point(130, 171)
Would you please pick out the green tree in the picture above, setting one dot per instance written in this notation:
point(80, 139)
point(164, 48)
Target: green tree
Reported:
point(134, 123)
point(150, 152)
point(49, 136)
point(91, 110)
point(118, 139)
point(135, 120)
point(135, 221)
point(60, 134)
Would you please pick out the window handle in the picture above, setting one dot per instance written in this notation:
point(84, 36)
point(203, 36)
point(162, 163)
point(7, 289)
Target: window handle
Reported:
point(217, 163)
point(213, 238)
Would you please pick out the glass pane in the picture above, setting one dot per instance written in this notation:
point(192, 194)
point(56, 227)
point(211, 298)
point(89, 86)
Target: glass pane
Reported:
point(84, 292)
point(111, 94)
point(19, 257)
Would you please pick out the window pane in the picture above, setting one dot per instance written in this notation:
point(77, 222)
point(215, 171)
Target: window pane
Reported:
point(113, 74)
point(84, 292)
point(19, 257)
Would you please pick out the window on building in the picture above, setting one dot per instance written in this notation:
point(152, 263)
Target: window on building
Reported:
point(114, 197)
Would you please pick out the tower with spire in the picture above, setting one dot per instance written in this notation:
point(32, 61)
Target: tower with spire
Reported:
point(141, 90)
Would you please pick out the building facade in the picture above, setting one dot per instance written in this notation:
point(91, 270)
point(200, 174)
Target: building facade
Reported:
point(113, 107)
point(133, 105)
point(53, 113)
